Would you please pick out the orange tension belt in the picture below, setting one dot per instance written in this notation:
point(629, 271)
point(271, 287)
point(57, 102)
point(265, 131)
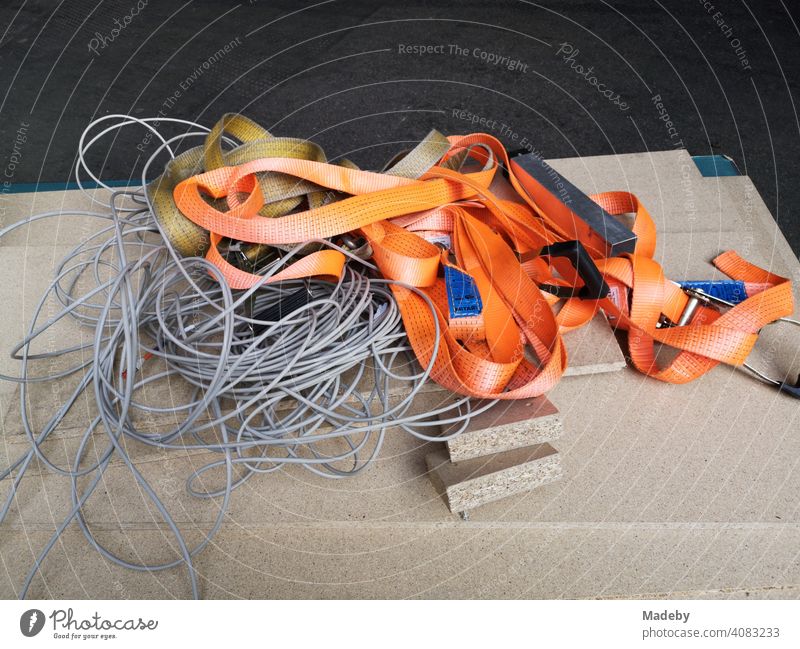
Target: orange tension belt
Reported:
point(514, 349)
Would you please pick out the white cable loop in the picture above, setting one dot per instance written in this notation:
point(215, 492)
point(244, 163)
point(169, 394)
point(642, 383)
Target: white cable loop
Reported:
point(317, 387)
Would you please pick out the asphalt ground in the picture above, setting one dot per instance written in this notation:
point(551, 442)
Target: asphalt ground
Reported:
point(365, 79)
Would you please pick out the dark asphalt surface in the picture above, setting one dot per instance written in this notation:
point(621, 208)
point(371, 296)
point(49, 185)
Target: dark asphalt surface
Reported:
point(352, 76)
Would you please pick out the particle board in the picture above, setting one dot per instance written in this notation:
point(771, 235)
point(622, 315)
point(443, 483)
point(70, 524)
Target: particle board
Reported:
point(505, 426)
point(668, 490)
point(471, 483)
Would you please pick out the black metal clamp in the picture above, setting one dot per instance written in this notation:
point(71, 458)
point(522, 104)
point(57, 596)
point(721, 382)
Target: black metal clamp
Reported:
point(594, 286)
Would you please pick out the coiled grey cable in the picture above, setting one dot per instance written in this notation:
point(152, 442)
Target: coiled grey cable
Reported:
point(265, 387)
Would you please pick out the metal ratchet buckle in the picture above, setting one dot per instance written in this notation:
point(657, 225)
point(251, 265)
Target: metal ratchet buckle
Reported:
point(357, 246)
point(234, 253)
point(698, 298)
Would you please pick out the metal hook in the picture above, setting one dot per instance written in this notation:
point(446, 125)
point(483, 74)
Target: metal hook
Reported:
point(697, 298)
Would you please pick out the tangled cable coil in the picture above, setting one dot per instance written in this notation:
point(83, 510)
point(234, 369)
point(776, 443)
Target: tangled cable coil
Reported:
point(266, 377)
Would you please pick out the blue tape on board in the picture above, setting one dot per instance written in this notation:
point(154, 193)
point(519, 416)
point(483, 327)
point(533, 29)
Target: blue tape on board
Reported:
point(715, 165)
point(463, 298)
point(730, 290)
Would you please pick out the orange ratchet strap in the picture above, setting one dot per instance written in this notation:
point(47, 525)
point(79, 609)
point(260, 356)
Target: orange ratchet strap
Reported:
point(513, 348)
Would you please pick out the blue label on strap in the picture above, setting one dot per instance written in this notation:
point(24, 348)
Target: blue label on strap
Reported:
point(730, 290)
point(463, 298)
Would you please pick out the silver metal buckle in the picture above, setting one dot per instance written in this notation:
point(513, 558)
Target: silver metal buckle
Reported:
point(357, 246)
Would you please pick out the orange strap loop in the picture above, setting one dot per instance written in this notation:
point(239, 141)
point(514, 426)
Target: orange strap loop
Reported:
point(483, 356)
